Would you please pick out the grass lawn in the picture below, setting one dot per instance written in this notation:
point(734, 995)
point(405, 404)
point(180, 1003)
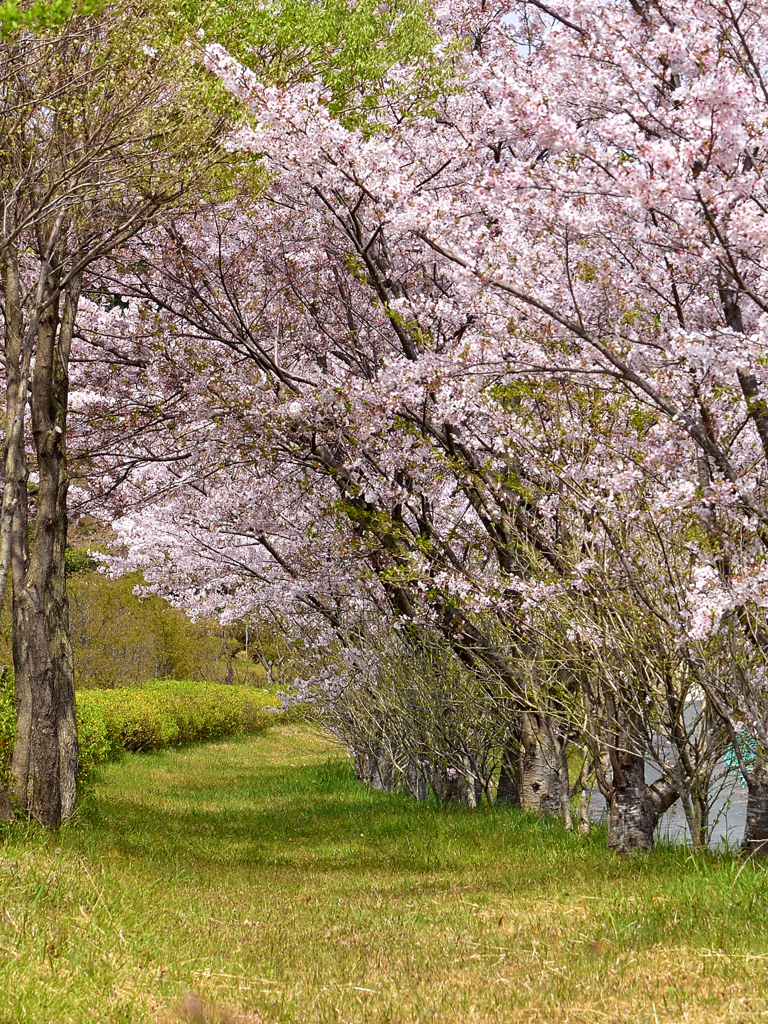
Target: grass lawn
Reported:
point(257, 874)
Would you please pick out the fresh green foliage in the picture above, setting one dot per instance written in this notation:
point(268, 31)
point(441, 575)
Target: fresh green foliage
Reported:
point(161, 713)
point(118, 638)
point(351, 46)
point(259, 874)
point(78, 562)
point(42, 14)
point(165, 713)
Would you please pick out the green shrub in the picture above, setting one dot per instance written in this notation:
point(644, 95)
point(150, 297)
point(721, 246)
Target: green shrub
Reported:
point(7, 722)
point(161, 713)
point(165, 713)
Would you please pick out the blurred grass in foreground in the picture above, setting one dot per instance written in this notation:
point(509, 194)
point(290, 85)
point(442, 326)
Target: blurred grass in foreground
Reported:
point(259, 875)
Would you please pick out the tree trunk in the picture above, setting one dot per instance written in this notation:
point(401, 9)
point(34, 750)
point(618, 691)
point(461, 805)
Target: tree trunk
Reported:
point(18, 347)
point(374, 767)
point(756, 829)
point(45, 756)
point(543, 781)
point(6, 806)
point(635, 807)
point(583, 791)
point(508, 788)
point(15, 540)
point(446, 784)
point(416, 781)
point(470, 787)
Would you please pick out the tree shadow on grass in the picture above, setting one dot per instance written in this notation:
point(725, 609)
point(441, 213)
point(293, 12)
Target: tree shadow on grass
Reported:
point(296, 819)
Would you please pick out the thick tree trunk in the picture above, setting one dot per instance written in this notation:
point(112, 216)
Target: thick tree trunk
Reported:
point(45, 756)
point(543, 773)
point(634, 806)
point(632, 819)
point(756, 829)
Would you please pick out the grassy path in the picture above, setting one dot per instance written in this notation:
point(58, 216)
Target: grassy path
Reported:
point(259, 875)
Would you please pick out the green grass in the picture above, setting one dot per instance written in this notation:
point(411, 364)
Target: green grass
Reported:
point(258, 874)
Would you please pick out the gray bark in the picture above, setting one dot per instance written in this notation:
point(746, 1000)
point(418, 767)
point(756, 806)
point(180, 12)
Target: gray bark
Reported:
point(508, 788)
point(374, 767)
point(543, 780)
point(416, 781)
point(634, 806)
point(756, 829)
point(6, 806)
point(470, 787)
point(45, 756)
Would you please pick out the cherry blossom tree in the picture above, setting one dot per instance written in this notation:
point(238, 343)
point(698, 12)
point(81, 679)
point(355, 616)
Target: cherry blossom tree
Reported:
point(507, 332)
point(88, 160)
point(605, 225)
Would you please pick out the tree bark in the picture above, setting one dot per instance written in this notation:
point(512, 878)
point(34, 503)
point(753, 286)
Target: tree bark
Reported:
point(18, 354)
point(374, 767)
point(6, 806)
point(543, 781)
point(446, 785)
point(634, 806)
point(508, 787)
point(416, 781)
point(756, 829)
point(14, 540)
point(470, 787)
point(46, 756)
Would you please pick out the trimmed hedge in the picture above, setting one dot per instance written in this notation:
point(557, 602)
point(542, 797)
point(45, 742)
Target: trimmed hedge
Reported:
point(7, 722)
point(162, 713)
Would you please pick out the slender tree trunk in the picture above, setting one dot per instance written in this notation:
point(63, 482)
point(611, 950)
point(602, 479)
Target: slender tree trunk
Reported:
point(756, 829)
point(470, 787)
point(14, 540)
point(508, 788)
point(22, 750)
point(18, 354)
point(583, 791)
point(416, 781)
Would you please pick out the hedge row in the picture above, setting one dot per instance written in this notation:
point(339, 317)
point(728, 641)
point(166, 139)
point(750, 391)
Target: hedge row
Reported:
point(7, 722)
point(150, 716)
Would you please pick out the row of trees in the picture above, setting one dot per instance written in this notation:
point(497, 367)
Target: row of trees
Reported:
point(458, 374)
